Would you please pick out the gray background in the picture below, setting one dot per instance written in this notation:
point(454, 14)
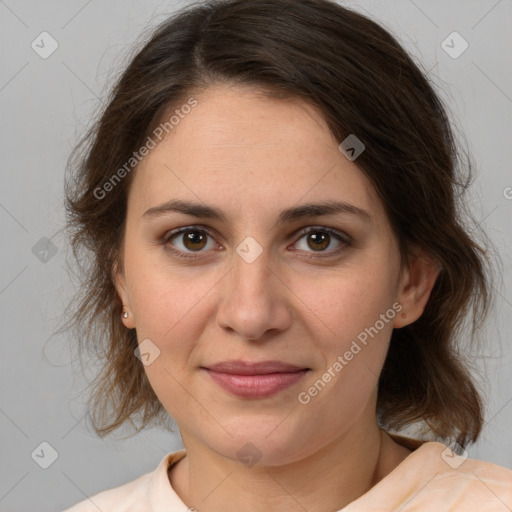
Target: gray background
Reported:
point(47, 103)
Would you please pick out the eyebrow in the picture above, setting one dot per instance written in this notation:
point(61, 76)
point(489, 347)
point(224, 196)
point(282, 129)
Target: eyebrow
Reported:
point(205, 211)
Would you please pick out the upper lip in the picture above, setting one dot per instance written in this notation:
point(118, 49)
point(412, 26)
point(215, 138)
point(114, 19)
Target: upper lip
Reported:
point(239, 367)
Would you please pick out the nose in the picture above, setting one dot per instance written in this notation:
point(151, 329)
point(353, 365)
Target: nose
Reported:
point(254, 301)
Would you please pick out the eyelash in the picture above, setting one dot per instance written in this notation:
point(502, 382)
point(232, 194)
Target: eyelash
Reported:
point(343, 238)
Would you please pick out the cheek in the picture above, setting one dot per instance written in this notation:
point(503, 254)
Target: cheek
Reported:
point(167, 305)
point(350, 319)
point(344, 303)
point(170, 312)
point(353, 319)
point(172, 308)
point(161, 293)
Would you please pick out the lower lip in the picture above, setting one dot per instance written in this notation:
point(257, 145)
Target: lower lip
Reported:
point(256, 386)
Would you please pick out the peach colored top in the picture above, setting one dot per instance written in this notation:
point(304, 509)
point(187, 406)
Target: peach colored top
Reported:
point(431, 478)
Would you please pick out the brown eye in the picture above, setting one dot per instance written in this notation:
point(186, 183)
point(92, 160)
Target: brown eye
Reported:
point(318, 240)
point(194, 240)
point(188, 240)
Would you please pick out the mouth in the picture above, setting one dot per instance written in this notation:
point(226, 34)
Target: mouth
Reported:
point(257, 379)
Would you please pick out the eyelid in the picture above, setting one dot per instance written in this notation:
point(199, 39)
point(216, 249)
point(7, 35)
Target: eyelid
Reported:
point(193, 227)
point(332, 231)
point(343, 237)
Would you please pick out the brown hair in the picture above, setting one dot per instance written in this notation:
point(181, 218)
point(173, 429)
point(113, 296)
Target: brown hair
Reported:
point(364, 83)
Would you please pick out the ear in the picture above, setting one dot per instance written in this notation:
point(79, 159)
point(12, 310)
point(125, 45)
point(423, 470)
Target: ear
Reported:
point(415, 286)
point(122, 290)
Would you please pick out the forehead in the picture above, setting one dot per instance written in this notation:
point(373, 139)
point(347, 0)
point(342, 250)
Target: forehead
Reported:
point(241, 149)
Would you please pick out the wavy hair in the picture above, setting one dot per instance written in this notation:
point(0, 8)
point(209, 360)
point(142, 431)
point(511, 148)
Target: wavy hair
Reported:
point(363, 82)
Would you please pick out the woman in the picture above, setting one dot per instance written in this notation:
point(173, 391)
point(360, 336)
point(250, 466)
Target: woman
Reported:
point(311, 162)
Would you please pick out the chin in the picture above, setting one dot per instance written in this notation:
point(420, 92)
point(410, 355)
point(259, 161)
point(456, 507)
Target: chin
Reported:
point(260, 444)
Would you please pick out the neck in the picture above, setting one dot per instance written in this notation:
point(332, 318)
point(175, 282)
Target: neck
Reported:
point(328, 479)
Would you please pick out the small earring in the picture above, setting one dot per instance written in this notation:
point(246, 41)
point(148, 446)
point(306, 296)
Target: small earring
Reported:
point(125, 314)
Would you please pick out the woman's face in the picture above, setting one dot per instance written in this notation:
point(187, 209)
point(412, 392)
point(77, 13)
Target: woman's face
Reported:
point(252, 285)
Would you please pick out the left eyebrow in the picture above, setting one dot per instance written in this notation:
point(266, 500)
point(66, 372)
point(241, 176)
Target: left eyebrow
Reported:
point(205, 211)
point(321, 209)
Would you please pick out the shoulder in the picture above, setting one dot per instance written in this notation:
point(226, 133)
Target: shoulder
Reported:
point(461, 482)
point(115, 499)
point(482, 481)
point(139, 495)
point(433, 477)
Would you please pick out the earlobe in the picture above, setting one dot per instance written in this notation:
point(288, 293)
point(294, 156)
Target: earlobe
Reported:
point(119, 280)
point(416, 285)
point(127, 319)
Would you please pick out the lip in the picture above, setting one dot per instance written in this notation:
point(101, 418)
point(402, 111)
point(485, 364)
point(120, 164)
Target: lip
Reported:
point(239, 367)
point(255, 380)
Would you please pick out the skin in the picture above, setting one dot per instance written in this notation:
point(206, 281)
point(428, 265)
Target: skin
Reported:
point(252, 156)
